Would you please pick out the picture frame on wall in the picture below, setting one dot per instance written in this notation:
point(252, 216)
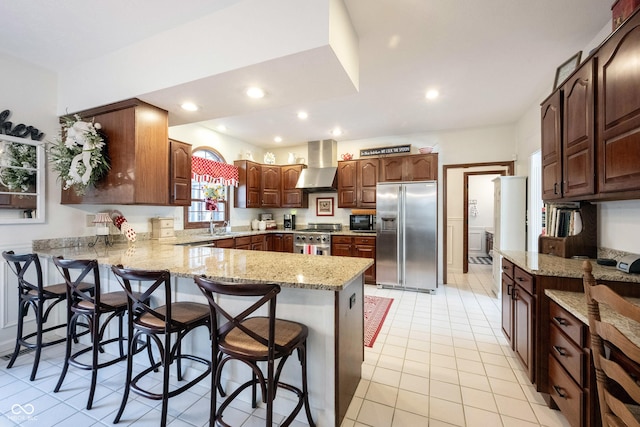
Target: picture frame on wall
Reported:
point(324, 206)
point(566, 68)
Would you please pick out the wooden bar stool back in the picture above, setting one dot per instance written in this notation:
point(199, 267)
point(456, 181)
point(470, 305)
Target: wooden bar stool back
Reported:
point(42, 299)
point(92, 305)
point(618, 388)
point(177, 318)
point(251, 339)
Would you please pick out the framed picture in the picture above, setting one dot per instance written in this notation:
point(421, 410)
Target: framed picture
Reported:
point(324, 206)
point(566, 68)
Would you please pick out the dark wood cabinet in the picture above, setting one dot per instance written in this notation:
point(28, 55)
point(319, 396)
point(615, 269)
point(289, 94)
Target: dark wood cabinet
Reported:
point(138, 147)
point(578, 133)
point(293, 197)
point(270, 186)
point(258, 242)
point(357, 180)
point(618, 148)
point(518, 314)
point(551, 140)
point(180, 173)
point(248, 193)
point(280, 242)
point(356, 246)
point(418, 167)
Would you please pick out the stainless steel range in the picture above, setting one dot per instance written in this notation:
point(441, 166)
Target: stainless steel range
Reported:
point(315, 240)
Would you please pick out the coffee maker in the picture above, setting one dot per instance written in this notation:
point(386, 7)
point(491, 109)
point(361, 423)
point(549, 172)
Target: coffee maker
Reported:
point(289, 222)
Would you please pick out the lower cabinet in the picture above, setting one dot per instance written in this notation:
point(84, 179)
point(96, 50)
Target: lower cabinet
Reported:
point(518, 314)
point(224, 243)
point(363, 247)
point(280, 242)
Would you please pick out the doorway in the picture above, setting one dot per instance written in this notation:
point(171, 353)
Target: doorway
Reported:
point(454, 198)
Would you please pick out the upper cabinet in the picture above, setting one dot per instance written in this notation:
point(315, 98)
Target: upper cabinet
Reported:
point(357, 180)
point(248, 192)
point(270, 186)
point(418, 167)
point(591, 125)
point(618, 147)
point(568, 138)
point(180, 173)
point(293, 197)
point(139, 150)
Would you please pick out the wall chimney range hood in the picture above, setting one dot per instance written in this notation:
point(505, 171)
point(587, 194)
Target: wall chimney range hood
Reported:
point(320, 175)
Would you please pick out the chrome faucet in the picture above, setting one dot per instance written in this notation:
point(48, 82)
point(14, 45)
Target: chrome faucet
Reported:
point(212, 227)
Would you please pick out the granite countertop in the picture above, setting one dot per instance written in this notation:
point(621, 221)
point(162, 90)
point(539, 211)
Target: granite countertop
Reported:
point(576, 304)
point(236, 265)
point(550, 265)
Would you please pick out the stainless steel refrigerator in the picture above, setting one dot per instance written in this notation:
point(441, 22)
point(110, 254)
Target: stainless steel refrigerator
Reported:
point(406, 231)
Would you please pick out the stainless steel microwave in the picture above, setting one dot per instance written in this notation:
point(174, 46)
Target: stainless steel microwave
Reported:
point(361, 222)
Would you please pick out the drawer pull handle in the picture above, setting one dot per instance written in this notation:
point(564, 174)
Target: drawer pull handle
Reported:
point(520, 279)
point(560, 391)
point(561, 351)
point(560, 321)
point(509, 289)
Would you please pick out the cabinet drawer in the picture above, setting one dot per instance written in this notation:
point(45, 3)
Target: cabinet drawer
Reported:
point(567, 323)
point(568, 354)
point(244, 240)
point(507, 267)
point(163, 232)
point(369, 241)
point(551, 246)
point(258, 238)
point(523, 279)
point(340, 239)
point(566, 393)
point(224, 243)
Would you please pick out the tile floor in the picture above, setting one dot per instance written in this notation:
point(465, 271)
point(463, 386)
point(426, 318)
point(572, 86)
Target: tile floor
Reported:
point(440, 360)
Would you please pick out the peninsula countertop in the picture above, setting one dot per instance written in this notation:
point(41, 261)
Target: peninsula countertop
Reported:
point(550, 265)
point(236, 265)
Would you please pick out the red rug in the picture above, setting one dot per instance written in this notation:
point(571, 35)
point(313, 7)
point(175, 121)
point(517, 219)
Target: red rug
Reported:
point(375, 311)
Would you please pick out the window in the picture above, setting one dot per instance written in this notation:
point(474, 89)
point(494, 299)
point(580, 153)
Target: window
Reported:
point(199, 214)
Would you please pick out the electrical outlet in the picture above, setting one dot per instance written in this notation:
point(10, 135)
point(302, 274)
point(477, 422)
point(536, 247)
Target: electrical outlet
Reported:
point(90, 219)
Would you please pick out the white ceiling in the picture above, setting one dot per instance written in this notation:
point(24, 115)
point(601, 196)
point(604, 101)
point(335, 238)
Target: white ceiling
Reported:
point(490, 60)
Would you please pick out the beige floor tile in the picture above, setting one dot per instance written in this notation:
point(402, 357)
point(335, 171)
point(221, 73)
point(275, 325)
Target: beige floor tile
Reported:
point(415, 403)
point(445, 391)
point(414, 383)
point(478, 399)
point(515, 408)
point(476, 417)
point(449, 412)
point(386, 376)
point(476, 381)
point(407, 419)
point(381, 393)
point(375, 414)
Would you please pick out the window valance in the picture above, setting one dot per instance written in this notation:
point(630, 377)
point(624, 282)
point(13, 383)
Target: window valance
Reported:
point(215, 172)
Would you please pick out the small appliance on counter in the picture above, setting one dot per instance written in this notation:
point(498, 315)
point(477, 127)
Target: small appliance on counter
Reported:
point(629, 263)
point(289, 222)
point(362, 222)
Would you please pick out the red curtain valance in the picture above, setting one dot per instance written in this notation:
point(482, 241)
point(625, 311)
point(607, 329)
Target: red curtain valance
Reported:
point(211, 171)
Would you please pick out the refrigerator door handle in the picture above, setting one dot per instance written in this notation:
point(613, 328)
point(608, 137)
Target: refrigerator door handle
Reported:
point(401, 243)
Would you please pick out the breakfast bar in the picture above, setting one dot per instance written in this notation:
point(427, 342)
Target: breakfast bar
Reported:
point(323, 292)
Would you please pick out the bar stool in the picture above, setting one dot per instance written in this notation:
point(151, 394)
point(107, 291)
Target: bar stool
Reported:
point(178, 318)
point(252, 340)
point(91, 306)
point(42, 299)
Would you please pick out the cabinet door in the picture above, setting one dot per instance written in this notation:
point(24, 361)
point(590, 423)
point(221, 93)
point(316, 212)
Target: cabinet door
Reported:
point(287, 243)
point(341, 249)
point(180, 175)
point(421, 167)
point(271, 186)
point(551, 146)
point(523, 327)
point(578, 133)
point(367, 251)
point(367, 182)
point(507, 308)
point(347, 184)
point(391, 169)
point(275, 242)
point(293, 197)
point(618, 149)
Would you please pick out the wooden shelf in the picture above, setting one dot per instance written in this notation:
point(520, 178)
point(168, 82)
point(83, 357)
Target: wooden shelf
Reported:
point(582, 244)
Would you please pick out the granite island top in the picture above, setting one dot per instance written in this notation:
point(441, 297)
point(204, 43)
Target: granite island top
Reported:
point(576, 304)
point(550, 265)
point(235, 265)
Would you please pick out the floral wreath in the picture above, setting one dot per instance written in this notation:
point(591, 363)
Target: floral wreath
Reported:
point(78, 154)
point(18, 166)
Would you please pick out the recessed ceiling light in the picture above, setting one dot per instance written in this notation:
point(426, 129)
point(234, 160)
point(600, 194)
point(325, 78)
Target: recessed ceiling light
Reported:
point(432, 94)
point(277, 139)
point(189, 106)
point(336, 132)
point(302, 115)
point(221, 128)
point(255, 93)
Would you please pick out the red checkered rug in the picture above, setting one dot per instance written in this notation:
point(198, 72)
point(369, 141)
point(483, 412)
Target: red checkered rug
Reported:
point(375, 311)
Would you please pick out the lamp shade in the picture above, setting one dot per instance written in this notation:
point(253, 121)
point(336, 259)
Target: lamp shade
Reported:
point(102, 218)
